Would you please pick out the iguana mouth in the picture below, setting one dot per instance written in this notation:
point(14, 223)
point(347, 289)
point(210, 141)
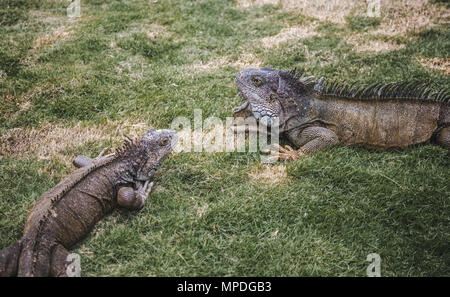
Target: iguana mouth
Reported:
point(241, 110)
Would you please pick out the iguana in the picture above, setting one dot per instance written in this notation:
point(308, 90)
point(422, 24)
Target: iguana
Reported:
point(66, 213)
point(317, 114)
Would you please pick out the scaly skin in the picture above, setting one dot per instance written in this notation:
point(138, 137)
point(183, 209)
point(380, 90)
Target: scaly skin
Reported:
point(66, 213)
point(317, 115)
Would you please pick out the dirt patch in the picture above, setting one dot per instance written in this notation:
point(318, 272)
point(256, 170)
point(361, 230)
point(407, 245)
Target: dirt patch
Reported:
point(50, 141)
point(287, 34)
point(269, 175)
point(440, 64)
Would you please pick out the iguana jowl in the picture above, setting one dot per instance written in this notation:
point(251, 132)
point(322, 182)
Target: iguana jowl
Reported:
point(317, 114)
point(66, 213)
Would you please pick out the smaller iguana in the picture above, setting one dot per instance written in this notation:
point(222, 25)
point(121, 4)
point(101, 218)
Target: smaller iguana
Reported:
point(66, 213)
point(318, 114)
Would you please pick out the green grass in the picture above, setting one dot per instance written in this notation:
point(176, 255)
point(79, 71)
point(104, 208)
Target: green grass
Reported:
point(333, 209)
point(362, 23)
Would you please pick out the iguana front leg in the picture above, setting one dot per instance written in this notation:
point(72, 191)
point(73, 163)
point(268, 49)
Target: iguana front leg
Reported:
point(309, 140)
point(134, 199)
point(82, 161)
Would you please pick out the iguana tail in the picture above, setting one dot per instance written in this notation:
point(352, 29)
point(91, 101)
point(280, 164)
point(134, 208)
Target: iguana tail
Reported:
point(34, 259)
point(20, 259)
point(17, 259)
point(9, 259)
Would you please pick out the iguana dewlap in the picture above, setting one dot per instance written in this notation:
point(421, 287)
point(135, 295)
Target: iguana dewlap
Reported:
point(66, 213)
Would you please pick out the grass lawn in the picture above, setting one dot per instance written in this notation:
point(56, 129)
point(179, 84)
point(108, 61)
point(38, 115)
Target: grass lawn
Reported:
point(72, 86)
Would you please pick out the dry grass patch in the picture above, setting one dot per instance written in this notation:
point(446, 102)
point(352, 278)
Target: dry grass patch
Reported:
point(249, 3)
point(361, 45)
point(326, 10)
point(47, 17)
point(246, 60)
point(400, 17)
point(269, 175)
point(323, 10)
point(156, 30)
point(213, 64)
point(23, 102)
point(134, 67)
point(287, 34)
point(202, 210)
point(152, 31)
point(48, 141)
point(59, 34)
point(62, 27)
point(440, 64)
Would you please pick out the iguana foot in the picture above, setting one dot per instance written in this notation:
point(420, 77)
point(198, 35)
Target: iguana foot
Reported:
point(103, 152)
point(287, 153)
point(83, 161)
point(134, 199)
point(143, 191)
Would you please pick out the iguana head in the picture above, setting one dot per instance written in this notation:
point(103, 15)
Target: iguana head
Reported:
point(146, 154)
point(268, 93)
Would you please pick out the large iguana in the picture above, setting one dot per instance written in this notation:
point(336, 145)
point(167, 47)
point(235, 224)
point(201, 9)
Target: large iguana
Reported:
point(318, 114)
point(66, 213)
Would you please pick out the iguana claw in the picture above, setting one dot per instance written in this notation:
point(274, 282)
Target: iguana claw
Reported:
point(145, 190)
point(287, 153)
point(106, 149)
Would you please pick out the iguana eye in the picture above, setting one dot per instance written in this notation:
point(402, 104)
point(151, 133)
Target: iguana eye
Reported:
point(257, 80)
point(273, 98)
point(164, 141)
